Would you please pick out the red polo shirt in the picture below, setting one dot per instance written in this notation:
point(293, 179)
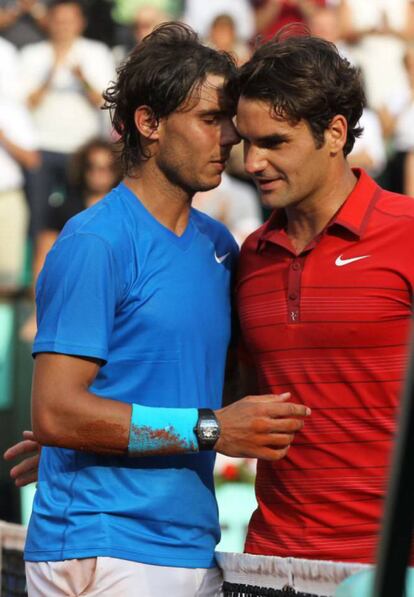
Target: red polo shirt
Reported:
point(331, 326)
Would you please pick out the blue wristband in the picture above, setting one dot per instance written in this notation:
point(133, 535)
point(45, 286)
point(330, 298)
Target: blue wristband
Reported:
point(157, 430)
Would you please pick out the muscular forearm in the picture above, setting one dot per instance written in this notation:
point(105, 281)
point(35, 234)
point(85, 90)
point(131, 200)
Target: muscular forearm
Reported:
point(73, 417)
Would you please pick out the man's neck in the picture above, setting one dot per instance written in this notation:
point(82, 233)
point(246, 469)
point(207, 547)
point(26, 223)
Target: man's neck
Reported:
point(309, 218)
point(166, 202)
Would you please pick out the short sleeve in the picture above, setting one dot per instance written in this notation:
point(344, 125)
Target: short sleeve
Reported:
point(76, 297)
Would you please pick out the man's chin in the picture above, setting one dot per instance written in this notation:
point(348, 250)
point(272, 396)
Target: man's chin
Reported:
point(209, 184)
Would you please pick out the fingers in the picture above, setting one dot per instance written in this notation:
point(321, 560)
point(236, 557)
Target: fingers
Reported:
point(27, 466)
point(268, 426)
point(28, 435)
point(26, 479)
point(288, 409)
point(276, 405)
point(272, 454)
point(24, 447)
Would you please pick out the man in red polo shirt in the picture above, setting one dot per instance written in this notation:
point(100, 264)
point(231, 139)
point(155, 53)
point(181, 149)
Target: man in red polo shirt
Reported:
point(324, 295)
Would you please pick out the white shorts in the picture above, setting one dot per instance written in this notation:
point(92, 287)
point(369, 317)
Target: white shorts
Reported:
point(112, 577)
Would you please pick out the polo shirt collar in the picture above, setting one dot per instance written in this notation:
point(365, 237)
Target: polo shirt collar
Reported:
point(353, 215)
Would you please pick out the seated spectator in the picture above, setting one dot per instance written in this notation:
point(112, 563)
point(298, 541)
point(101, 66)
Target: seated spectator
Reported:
point(63, 82)
point(223, 36)
point(93, 171)
point(23, 21)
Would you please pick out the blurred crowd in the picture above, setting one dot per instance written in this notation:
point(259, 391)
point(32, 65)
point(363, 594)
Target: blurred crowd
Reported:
point(58, 154)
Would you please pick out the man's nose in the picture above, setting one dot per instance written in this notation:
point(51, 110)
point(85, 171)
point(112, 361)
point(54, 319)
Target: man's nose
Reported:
point(229, 134)
point(254, 160)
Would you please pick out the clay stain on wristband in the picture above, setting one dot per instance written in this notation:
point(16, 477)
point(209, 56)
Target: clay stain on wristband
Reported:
point(158, 441)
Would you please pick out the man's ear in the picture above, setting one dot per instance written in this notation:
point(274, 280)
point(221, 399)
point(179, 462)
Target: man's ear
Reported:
point(336, 133)
point(146, 123)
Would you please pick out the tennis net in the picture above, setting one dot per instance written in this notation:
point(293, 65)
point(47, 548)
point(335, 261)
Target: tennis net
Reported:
point(13, 579)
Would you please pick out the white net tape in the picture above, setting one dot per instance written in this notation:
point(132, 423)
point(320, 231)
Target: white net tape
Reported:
point(303, 576)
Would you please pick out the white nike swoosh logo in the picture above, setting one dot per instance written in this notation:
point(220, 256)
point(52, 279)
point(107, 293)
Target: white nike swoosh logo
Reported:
point(339, 261)
point(222, 258)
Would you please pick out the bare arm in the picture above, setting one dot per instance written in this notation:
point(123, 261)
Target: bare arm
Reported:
point(28, 158)
point(94, 96)
point(66, 414)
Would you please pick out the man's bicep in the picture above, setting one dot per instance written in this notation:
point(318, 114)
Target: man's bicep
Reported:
point(57, 380)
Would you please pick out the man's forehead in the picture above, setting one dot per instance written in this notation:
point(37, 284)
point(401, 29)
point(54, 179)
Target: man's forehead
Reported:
point(209, 94)
point(263, 111)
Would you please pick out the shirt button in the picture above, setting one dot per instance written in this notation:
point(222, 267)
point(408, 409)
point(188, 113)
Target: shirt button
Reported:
point(293, 296)
point(296, 265)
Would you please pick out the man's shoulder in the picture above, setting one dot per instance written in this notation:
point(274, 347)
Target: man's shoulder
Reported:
point(395, 205)
point(109, 220)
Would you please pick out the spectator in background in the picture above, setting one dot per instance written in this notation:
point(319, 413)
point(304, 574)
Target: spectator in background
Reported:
point(17, 151)
point(10, 81)
point(200, 15)
point(223, 36)
point(369, 150)
point(63, 81)
point(272, 15)
point(397, 117)
point(93, 171)
point(378, 30)
point(145, 20)
point(23, 21)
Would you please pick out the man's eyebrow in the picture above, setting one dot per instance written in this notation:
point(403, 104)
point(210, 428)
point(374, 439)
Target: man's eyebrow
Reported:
point(273, 139)
point(213, 112)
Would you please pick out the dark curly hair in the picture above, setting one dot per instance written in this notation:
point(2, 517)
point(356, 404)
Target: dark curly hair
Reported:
point(304, 77)
point(161, 72)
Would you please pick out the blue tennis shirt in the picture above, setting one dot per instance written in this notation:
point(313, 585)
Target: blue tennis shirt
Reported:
point(155, 308)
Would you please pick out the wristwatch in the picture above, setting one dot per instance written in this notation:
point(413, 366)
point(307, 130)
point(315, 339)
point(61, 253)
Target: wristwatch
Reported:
point(207, 429)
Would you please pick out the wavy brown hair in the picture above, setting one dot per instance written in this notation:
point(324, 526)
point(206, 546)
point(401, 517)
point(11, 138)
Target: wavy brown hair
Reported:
point(161, 72)
point(304, 77)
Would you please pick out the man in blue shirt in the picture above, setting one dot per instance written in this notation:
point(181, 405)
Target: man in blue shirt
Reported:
point(133, 328)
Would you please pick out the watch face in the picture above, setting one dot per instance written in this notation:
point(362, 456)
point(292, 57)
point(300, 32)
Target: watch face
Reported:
point(209, 429)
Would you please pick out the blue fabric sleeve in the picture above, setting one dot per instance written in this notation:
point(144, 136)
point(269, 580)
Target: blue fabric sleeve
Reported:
point(76, 297)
